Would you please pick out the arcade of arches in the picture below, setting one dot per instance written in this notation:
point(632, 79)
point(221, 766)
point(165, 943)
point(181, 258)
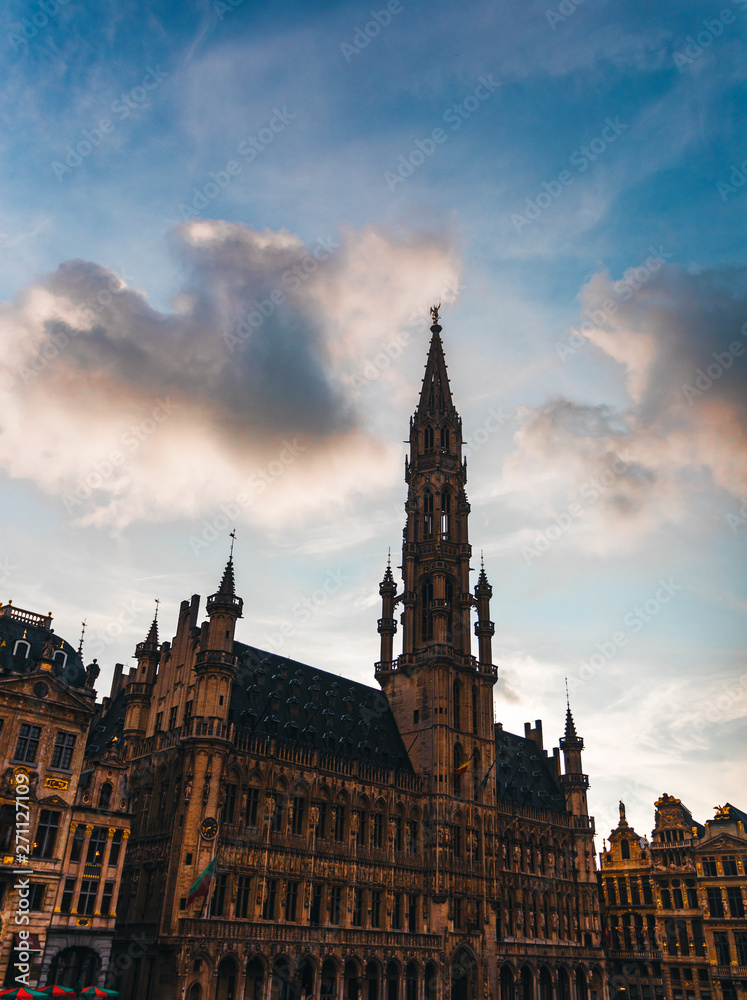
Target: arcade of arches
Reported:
point(355, 978)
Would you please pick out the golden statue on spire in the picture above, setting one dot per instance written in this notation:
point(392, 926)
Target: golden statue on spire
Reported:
point(434, 313)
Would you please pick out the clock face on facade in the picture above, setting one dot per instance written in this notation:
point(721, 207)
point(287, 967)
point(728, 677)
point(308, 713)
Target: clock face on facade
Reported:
point(209, 828)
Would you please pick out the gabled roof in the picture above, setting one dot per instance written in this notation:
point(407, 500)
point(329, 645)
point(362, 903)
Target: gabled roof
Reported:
point(25, 683)
point(275, 696)
point(523, 774)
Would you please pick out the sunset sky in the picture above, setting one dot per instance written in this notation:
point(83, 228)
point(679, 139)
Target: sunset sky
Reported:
point(221, 227)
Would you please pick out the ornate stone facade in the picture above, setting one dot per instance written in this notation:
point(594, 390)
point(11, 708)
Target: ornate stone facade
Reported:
point(62, 851)
point(675, 907)
point(389, 845)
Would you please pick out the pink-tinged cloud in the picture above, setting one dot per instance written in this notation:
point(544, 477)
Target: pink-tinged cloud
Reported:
point(680, 341)
point(245, 389)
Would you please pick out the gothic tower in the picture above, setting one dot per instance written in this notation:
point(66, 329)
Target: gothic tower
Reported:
point(440, 694)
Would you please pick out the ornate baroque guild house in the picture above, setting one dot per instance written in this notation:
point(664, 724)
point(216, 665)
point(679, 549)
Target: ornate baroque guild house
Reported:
point(675, 907)
point(354, 842)
point(63, 818)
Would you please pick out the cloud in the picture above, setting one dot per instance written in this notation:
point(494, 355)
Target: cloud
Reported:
point(678, 342)
point(246, 387)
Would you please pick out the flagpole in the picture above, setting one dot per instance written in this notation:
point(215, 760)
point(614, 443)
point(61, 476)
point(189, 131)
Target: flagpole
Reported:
point(212, 880)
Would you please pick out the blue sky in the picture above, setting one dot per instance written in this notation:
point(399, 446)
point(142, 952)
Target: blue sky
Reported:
point(570, 180)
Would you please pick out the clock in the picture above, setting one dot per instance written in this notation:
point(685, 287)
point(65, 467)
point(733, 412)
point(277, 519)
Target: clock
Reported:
point(209, 828)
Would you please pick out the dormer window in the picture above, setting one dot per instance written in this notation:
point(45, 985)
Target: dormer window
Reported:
point(60, 656)
point(22, 648)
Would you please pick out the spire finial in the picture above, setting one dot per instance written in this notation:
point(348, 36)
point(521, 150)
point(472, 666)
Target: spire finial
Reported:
point(482, 559)
point(155, 616)
point(567, 700)
point(82, 633)
point(434, 313)
point(389, 558)
point(232, 536)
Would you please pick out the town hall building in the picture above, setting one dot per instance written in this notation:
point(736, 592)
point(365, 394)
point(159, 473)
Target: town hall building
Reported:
point(299, 835)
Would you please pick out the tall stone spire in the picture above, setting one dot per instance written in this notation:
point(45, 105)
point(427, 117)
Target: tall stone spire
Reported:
point(438, 691)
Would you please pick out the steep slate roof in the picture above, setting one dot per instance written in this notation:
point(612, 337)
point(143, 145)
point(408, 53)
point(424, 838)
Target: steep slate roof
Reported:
point(275, 696)
point(523, 774)
point(106, 732)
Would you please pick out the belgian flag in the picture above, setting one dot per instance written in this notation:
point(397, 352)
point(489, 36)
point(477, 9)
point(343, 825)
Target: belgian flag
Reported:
point(201, 885)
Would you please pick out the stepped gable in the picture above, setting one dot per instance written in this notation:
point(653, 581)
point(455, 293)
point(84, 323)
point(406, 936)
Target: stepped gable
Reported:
point(523, 774)
point(276, 696)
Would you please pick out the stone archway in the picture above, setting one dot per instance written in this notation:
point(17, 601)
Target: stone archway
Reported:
point(507, 983)
point(281, 987)
point(352, 978)
point(228, 977)
point(373, 980)
point(75, 964)
point(463, 976)
point(255, 980)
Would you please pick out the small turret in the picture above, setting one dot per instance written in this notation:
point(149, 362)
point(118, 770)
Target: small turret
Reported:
point(573, 782)
point(484, 627)
point(387, 625)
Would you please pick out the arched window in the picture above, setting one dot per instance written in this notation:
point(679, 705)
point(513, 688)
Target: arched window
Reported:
point(22, 648)
point(445, 514)
point(426, 599)
point(105, 795)
point(427, 514)
point(625, 848)
point(444, 438)
point(428, 439)
point(457, 704)
point(60, 656)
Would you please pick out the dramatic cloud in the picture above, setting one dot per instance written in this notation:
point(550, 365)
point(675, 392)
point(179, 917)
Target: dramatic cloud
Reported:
point(127, 412)
point(680, 341)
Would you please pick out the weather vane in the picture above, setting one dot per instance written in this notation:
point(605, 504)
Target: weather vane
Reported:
point(232, 536)
point(157, 600)
point(82, 633)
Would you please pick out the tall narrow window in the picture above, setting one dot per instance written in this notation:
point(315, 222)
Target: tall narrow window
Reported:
point(427, 514)
point(46, 834)
point(428, 438)
point(268, 907)
point(474, 708)
point(115, 849)
point(89, 888)
point(96, 846)
point(252, 804)
point(426, 597)
point(242, 896)
point(297, 814)
point(28, 743)
point(445, 514)
point(229, 806)
point(444, 438)
point(457, 705)
point(291, 901)
point(62, 754)
point(77, 845)
point(218, 898)
point(105, 795)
